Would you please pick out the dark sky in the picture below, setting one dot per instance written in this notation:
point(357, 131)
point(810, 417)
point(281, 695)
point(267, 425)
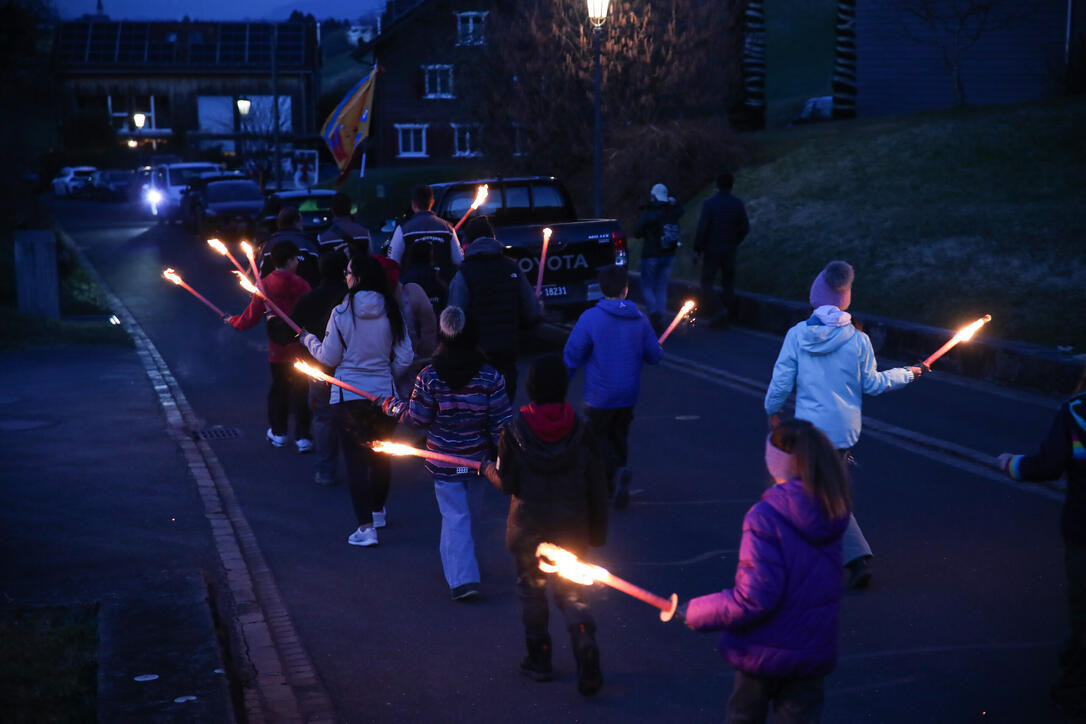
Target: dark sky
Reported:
point(217, 9)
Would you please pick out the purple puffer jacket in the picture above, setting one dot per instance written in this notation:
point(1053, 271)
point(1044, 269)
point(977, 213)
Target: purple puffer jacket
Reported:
point(780, 619)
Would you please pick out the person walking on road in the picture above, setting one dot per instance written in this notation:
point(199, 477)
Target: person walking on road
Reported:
point(420, 319)
point(460, 401)
point(311, 313)
point(491, 288)
point(831, 365)
point(288, 224)
point(425, 227)
point(778, 623)
point(548, 462)
point(1063, 452)
point(612, 340)
point(287, 393)
point(367, 343)
point(345, 234)
point(722, 226)
point(659, 227)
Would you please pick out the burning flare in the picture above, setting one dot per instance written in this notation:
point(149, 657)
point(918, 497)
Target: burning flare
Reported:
point(221, 248)
point(171, 276)
point(320, 375)
point(395, 448)
point(542, 261)
point(687, 307)
point(253, 289)
point(480, 197)
point(964, 334)
point(247, 249)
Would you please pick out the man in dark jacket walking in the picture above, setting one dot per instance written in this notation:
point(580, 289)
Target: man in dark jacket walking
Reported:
point(345, 234)
point(426, 227)
point(548, 462)
point(493, 291)
point(288, 223)
point(311, 312)
point(659, 227)
point(722, 226)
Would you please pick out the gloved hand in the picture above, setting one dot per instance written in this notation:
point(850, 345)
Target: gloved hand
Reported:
point(487, 468)
point(680, 613)
point(1003, 462)
point(918, 369)
point(391, 406)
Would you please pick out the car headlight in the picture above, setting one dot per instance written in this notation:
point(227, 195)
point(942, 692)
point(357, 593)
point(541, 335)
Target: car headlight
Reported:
point(154, 196)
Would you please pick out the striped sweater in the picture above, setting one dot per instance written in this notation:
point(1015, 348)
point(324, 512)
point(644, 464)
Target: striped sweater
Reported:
point(466, 422)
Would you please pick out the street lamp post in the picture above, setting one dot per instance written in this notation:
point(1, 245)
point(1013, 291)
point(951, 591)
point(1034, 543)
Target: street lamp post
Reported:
point(243, 105)
point(597, 14)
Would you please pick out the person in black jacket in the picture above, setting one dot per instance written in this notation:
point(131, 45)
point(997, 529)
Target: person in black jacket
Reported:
point(491, 288)
point(659, 227)
point(1063, 452)
point(550, 464)
point(311, 312)
point(722, 226)
point(288, 223)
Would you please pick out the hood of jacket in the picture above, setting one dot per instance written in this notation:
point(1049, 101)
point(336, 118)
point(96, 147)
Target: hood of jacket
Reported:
point(484, 246)
point(622, 308)
point(817, 338)
point(364, 305)
point(457, 366)
point(548, 457)
point(804, 513)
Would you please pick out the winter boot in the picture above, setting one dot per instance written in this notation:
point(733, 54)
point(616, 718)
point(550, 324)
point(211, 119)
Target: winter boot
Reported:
point(537, 664)
point(589, 675)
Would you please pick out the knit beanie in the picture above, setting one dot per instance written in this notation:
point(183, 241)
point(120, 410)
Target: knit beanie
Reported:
point(456, 330)
point(659, 193)
point(780, 464)
point(548, 380)
point(833, 286)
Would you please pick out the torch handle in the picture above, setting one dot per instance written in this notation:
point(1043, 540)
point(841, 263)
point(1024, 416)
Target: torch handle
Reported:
point(203, 299)
point(256, 274)
point(464, 218)
point(941, 351)
point(234, 261)
point(341, 384)
point(542, 266)
point(667, 606)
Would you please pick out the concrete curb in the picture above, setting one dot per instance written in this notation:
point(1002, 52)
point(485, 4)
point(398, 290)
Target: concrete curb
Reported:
point(1005, 362)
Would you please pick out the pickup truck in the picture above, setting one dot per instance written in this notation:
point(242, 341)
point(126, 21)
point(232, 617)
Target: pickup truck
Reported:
point(519, 209)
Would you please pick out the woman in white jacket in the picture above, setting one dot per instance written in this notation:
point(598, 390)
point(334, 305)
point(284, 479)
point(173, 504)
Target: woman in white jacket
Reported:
point(366, 341)
point(831, 365)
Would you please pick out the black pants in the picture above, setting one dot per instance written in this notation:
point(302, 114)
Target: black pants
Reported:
point(795, 701)
point(507, 365)
point(611, 429)
point(532, 591)
point(289, 393)
point(1070, 688)
point(368, 473)
point(724, 265)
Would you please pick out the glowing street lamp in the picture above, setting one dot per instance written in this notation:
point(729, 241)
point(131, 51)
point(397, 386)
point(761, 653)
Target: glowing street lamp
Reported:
point(244, 104)
point(597, 14)
point(139, 120)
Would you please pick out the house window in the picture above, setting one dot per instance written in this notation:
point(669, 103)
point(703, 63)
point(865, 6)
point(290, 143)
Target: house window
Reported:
point(466, 139)
point(412, 140)
point(469, 28)
point(439, 81)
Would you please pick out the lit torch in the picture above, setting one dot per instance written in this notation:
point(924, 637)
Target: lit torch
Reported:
point(963, 335)
point(542, 261)
point(688, 305)
point(480, 197)
point(172, 276)
point(252, 289)
point(221, 248)
point(247, 248)
point(319, 375)
point(554, 559)
point(395, 448)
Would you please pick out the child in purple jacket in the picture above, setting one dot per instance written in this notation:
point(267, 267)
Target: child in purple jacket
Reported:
point(779, 622)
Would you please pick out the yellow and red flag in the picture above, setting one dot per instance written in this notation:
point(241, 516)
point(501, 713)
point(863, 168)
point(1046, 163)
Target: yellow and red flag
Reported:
point(349, 124)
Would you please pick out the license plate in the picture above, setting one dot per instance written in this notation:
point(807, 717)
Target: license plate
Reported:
point(555, 291)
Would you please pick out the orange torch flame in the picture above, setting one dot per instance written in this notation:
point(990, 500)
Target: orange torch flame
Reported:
point(394, 448)
point(221, 248)
point(964, 334)
point(480, 197)
point(170, 275)
point(542, 261)
point(555, 559)
point(319, 375)
point(252, 289)
point(247, 249)
point(688, 305)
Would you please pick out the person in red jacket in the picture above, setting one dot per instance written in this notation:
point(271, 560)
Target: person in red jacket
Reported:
point(288, 392)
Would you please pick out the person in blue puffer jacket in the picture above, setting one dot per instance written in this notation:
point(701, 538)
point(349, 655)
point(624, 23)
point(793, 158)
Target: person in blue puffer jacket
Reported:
point(831, 366)
point(612, 340)
point(778, 623)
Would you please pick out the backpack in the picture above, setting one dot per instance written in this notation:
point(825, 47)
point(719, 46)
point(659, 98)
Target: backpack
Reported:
point(669, 236)
point(279, 331)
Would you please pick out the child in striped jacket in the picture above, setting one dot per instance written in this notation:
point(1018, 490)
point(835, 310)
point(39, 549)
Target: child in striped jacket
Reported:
point(460, 400)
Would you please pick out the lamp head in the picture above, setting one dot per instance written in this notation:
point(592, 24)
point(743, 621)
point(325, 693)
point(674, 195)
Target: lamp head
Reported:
point(597, 11)
point(138, 120)
point(244, 104)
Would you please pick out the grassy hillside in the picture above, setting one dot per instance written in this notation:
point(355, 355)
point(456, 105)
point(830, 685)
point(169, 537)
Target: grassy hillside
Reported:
point(945, 216)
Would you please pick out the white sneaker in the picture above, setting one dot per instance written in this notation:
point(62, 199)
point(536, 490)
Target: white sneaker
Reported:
point(363, 537)
point(305, 445)
point(379, 520)
point(275, 440)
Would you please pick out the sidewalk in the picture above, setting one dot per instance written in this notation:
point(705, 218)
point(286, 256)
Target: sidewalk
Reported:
point(98, 507)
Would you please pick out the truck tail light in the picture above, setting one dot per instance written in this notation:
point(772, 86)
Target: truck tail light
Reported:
point(618, 244)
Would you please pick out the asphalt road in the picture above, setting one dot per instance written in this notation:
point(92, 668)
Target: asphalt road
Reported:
point(962, 622)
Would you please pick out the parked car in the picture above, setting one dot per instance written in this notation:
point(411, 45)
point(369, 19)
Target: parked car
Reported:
point(111, 184)
point(315, 206)
point(188, 207)
point(519, 209)
point(163, 193)
point(72, 180)
point(226, 206)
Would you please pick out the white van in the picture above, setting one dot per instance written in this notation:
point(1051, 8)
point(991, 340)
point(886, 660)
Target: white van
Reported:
point(163, 193)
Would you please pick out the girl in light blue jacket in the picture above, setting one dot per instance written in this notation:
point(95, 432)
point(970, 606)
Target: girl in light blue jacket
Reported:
point(831, 365)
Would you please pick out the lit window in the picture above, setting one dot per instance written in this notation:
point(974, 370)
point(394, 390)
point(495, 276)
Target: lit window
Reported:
point(412, 140)
point(466, 139)
point(439, 81)
point(469, 28)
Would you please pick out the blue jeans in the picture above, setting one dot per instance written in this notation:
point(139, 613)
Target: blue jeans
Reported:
point(325, 435)
point(456, 499)
point(655, 272)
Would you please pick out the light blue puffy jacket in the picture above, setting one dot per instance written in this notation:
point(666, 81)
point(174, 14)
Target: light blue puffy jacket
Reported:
point(831, 368)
